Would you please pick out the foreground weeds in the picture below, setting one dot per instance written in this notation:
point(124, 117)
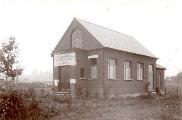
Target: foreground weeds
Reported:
point(16, 105)
point(157, 108)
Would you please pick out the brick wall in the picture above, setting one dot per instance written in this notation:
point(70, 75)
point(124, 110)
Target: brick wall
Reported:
point(121, 86)
point(92, 86)
point(102, 85)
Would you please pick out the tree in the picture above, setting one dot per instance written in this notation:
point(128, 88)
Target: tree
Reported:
point(8, 56)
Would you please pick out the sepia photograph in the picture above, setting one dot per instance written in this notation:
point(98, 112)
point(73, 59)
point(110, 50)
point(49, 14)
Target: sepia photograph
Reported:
point(90, 60)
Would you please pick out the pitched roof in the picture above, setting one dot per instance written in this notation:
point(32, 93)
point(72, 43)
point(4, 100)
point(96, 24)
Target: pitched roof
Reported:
point(112, 39)
point(160, 67)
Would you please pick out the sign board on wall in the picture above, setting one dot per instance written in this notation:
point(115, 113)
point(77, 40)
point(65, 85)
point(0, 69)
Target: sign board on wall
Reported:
point(72, 81)
point(65, 59)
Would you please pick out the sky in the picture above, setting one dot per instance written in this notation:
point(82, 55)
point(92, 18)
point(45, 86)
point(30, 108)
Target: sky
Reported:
point(38, 25)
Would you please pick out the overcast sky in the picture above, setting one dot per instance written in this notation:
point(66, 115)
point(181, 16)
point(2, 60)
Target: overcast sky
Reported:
point(38, 25)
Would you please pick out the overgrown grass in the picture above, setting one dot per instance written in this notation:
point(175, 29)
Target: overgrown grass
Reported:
point(139, 108)
point(120, 108)
point(68, 108)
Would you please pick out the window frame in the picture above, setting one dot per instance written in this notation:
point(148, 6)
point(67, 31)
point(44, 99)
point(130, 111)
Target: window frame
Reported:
point(109, 67)
point(126, 68)
point(151, 73)
point(140, 71)
point(76, 38)
point(93, 64)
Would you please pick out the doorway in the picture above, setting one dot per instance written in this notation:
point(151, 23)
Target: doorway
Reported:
point(64, 78)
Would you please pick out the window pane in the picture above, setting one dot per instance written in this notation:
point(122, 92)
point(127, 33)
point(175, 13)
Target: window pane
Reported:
point(93, 71)
point(150, 69)
point(150, 76)
point(111, 72)
point(127, 70)
point(140, 71)
point(93, 68)
point(77, 39)
point(111, 68)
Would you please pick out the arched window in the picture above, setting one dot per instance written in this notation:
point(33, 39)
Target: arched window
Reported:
point(76, 38)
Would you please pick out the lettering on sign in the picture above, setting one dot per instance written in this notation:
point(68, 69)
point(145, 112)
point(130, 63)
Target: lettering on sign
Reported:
point(65, 59)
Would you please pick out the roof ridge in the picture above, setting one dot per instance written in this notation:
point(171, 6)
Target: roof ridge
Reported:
point(103, 27)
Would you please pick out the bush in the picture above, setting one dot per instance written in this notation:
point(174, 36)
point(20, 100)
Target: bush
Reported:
point(34, 111)
point(146, 87)
point(158, 91)
point(12, 105)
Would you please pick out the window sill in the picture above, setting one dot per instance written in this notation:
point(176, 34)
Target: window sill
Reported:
point(111, 79)
point(139, 79)
point(92, 79)
point(128, 79)
point(82, 78)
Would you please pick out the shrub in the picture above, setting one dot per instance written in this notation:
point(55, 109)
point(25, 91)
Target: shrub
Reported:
point(34, 111)
point(146, 87)
point(158, 91)
point(12, 105)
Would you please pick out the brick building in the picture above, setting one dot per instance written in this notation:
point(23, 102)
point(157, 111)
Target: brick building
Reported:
point(103, 62)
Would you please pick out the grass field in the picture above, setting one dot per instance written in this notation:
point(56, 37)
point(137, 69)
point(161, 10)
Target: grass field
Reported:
point(31, 106)
point(139, 108)
point(123, 109)
point(56, 107)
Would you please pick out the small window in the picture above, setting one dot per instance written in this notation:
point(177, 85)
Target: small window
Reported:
point(150, 76)
point(93, 68)
point(127, 70)
point(140, 71)
point(77, 39)
point(81, 72)
point(112, 68)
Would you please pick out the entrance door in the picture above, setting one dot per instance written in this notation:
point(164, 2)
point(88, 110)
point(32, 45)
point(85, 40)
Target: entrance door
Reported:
point(64, 77)
point(150, 77)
